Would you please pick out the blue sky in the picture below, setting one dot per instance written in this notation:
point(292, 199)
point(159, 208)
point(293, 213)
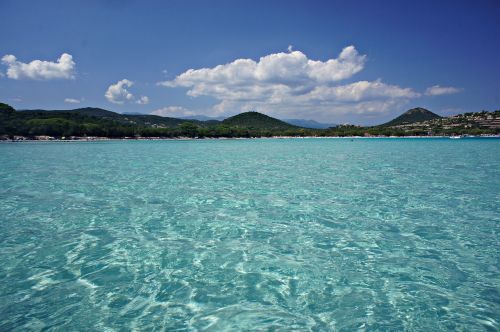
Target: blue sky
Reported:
point(333, 61)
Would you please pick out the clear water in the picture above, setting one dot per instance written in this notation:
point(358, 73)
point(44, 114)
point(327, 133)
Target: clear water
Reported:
point(312, 234)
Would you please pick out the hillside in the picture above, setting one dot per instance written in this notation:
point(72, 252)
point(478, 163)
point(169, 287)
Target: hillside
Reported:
point(125, 119)
point(99, 122)
point(156, 121)
point(93, 111)
point(95, 122)
point(255, 120)
point(6, 108)
point(471, 123)
point(418, 114)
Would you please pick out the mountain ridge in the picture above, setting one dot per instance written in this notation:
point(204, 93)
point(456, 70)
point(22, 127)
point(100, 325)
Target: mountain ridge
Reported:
point(98, 122)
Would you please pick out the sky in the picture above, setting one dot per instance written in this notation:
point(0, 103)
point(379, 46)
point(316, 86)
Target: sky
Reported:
point(360, 62)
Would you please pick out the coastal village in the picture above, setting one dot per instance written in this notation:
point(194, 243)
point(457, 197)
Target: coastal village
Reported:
point(483, 120)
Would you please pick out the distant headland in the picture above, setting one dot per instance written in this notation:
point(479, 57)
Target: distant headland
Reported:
point(85, 123)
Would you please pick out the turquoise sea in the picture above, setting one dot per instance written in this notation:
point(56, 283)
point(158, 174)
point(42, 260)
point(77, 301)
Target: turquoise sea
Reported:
point(265, 234)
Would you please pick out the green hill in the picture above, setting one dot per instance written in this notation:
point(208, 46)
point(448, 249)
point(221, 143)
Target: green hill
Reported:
point(86, 111)
point(6, 108)
point(90, 122)
point(99, 122)
point(418, 114)
point(256, 120)
point(156, 120)
point(146, 120)
point(93, 111)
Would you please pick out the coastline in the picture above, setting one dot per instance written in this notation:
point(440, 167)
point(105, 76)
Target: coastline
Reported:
point(104, 139)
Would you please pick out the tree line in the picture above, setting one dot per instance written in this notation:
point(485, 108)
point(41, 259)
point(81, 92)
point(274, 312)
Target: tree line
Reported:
point(66, 125)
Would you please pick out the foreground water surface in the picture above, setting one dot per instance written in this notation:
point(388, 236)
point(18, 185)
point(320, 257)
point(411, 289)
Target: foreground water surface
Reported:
point(311, 234)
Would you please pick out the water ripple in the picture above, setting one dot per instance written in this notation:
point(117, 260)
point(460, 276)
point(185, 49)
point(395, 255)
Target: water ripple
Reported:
point(250, 235)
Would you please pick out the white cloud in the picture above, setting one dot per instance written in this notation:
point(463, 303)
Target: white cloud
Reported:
point(173, 111)
point(437, 90)
point(359, 91)
point(63, 68)
point(291, 84)
point(119, 93)
point(72, 101)
point(289, 69)
point(143, 100)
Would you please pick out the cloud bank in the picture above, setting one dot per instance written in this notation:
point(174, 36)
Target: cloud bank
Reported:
point(63, 68)
point(144, 100)
point(291, 69)
point(290, 84)
point(119, 93)
point(72, 101)
point(173, 111)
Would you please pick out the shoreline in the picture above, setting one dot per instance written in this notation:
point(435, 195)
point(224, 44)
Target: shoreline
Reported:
point(104, 139)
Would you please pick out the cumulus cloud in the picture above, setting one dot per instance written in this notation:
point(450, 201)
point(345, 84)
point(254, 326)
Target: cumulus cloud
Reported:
point(437, 90)
point(119, 93)
point(72, 101)
point(362, 90)
point(173, 111)
point(289, 69)
point(63, 68)
point(291, 84)
point(143, 100)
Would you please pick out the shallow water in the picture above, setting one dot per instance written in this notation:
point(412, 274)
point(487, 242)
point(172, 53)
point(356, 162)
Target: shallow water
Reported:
point(311, 234)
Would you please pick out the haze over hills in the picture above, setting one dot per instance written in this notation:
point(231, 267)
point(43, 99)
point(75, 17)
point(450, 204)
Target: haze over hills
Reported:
point(310, 123)
point(201, 117)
